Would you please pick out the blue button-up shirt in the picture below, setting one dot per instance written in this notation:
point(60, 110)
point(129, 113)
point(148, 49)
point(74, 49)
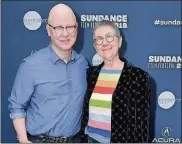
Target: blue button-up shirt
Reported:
point(49, 93)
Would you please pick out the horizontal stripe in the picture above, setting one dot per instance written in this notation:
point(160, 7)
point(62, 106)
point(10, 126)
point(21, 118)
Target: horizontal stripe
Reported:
point(101, 118)
point(98, 96)
point(110, 84)
point(116, 71)
point(103, 90)
point(99, 138)
point(108, 77)
point(101, 111)
point(101, 132)
point(99, 125)
point(100, 103)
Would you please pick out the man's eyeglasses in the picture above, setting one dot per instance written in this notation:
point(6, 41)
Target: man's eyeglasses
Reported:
point(109, 38)
point(59, 29)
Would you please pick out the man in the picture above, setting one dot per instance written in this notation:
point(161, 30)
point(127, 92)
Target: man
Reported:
point(47, 96)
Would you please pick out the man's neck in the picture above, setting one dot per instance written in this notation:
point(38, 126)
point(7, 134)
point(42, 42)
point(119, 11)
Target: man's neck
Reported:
point(63, 54)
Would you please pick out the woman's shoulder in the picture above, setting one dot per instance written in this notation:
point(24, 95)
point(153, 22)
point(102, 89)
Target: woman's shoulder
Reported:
point(139, 72)
point(143, 77)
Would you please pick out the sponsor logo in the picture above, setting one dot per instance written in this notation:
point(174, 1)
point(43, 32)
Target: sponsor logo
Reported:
point(167, 137)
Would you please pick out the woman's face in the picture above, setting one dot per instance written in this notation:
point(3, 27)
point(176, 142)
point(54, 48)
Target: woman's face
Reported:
point(106, 42)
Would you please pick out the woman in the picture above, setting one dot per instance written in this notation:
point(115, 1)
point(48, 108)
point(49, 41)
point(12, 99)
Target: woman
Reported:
point(117, 102)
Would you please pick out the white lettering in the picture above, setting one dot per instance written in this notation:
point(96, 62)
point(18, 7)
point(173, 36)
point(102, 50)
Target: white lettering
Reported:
point(164, 58)
point(166, 140)
point(83, 18)
point(97, 18)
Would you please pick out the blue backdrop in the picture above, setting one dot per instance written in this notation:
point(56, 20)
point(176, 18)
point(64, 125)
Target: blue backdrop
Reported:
point(143, 38)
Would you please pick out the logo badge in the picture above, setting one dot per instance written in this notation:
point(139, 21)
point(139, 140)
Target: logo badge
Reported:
point(166, 100)
point(32, 20)
point(166, 132)
point(96, 60)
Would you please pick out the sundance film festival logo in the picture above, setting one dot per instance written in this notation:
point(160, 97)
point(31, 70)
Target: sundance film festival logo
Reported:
point(167, 99)
point(164, 62)
point(96, 60)
point(166, 137)
point(32, 20)
point(89, 21)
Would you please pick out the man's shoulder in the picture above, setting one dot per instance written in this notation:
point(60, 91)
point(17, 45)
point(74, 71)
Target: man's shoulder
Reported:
point(34, 60)
point(36, 56)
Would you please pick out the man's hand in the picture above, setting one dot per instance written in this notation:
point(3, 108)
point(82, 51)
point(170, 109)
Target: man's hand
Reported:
point(25, 141)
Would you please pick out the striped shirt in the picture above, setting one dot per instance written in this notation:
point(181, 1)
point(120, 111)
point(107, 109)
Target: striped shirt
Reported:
point(99, 123)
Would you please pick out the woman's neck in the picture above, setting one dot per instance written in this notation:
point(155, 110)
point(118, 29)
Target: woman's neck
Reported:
point(115, 63)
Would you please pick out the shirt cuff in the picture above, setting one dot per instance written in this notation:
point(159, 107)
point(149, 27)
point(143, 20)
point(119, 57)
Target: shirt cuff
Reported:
point(17, 115)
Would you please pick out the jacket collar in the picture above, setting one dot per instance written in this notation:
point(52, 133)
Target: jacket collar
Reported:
point(127, 66)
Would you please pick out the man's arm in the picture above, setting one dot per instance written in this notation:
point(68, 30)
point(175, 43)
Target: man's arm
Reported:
point(20, 128)
point(20, 96)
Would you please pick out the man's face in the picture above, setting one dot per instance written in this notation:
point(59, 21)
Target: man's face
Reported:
point(62, 30)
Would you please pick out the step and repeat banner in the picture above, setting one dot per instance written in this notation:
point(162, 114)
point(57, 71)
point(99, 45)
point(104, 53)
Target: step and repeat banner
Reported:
point(152, 34)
